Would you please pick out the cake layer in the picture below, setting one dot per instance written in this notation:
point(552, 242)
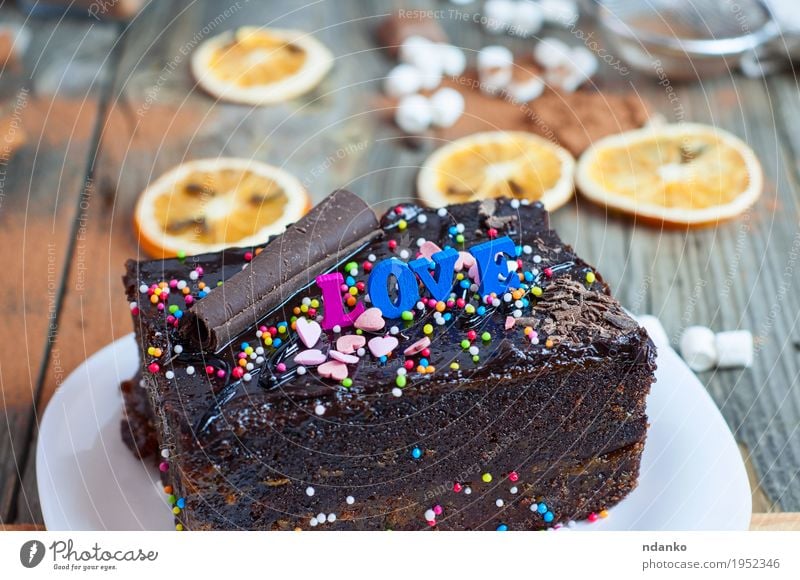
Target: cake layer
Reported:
point(531, 386)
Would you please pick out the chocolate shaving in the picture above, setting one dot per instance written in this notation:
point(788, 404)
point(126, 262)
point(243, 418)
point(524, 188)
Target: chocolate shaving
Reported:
point(331, 232)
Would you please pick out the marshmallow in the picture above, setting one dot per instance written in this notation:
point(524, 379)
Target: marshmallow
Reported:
point(559, 12)
point(415, 50)
point(525, 91)
point(583, 60)
point(494, 68)
point(402, 80)
point(447, 106)
point(734, 349)
point(527, 19)
point(452, 59)
point(414, 114)
point(698, 348)
point(552, 52)
point(498, 15)
point(430, 72)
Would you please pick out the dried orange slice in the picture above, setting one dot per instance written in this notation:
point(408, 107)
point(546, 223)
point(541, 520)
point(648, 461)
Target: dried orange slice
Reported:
point(683, 174)
point(511, 164)
point(260, 66)
point(210, 204)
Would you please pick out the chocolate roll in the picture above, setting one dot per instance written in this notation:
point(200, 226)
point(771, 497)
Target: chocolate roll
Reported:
point(329, 234)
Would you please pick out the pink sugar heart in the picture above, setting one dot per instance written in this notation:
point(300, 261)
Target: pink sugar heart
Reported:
point(510, 322)
point(342, 357)
point(465, 260)
point(309, 331)
point(370, 320)
point(333, 369)
point(474, 273)
point(418, 346)
point(428, 249)
point(350, 343)
point(310, 358)
point(382, 345)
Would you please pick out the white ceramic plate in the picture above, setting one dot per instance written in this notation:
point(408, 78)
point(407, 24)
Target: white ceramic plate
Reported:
point(692, 475)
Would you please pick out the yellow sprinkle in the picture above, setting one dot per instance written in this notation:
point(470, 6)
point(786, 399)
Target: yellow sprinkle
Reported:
point(402, 224)
point(486, 477)
point(314, 303)
point(179, 527)
point(427, 329)
point(304, 308)
point(353, 290)
point(603, 513)
point(590, 277)
point(536, 291)
point(454, 366)
point(549, 343)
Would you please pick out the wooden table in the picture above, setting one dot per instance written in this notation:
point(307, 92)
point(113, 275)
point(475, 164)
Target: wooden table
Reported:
point(121, 108)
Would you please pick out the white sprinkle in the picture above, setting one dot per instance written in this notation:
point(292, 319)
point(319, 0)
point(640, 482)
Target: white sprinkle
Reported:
point(420, 306)
point(467, 490)
point(519, 304)
point(193, 275)
point(310, 491)
point(430, 515)
point(422, 218)
point(170, 375)
point(319, 410)
point(306, 301)
point(394, 330)
point(517, 313)
point(259, 350)
point(571, 524)
point(441, 321)
point(350, 500)
point(337, 329)
point(515, 203)
point(354, 271)
point(189, 370)
point(534, 507)
point(537, 259)
point(473, 350)
point(420, 242)
point(506, 297)
point(247, 377)
point(321, 517)
point(361, 351)
point(177, 349)
point(404, 254)
point(397, 392)
point(313, 523)
point(143, 288)
point(301, 370)
point(181, 284)
point(460, 228)
point(133, 305)
point(402, 371)
point(441, 212)
point(165, 453)
point(259, 334)
point(514, 489)
point(495, 302)
point(331, 518)
point(372, 257)
point(499, 502)
point(260, 360)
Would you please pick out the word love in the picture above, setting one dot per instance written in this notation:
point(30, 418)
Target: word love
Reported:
point(436, 276)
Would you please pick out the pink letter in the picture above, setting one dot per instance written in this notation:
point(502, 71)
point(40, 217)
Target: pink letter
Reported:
point(335, 314)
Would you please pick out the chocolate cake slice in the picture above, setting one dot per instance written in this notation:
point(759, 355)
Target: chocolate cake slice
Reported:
point(517, 410)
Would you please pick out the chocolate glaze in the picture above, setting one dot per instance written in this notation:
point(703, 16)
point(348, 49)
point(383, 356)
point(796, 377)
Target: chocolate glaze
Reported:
point(575, 400)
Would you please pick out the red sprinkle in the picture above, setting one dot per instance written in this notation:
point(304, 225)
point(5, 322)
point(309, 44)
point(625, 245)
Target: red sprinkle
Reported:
point(153, 367)
point(457, 487)
point(472, 335)
point(548, 272)
point(248, 256)
point(238, 372)
point(398, 210)
point(426, 352)
point(513, 476)
point(209, 370)
point(593, 517)
point(492, 233)
point(409, 364)
point(392, 244)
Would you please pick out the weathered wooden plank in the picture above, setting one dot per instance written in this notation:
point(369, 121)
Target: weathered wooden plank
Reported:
point(40, 184)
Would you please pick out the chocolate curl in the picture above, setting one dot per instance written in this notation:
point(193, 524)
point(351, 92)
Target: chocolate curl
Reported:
point(329, 234)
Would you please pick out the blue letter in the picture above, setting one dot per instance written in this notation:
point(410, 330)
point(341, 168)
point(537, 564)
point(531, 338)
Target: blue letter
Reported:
point(495, 277)
point(445, 262)
point(378, 287)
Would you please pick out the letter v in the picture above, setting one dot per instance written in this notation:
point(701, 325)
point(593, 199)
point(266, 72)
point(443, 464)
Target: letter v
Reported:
point(445, 262)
